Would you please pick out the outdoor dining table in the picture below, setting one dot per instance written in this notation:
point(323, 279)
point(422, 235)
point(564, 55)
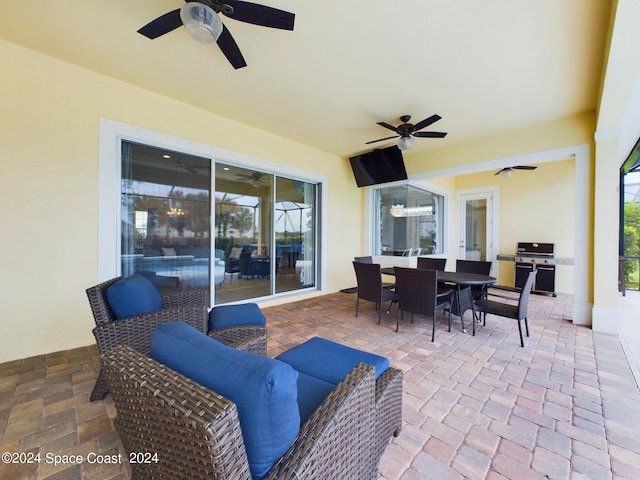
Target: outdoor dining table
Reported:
point(460, 280)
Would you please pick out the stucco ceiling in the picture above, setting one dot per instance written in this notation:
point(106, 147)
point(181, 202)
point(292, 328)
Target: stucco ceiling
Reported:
point(485, 66)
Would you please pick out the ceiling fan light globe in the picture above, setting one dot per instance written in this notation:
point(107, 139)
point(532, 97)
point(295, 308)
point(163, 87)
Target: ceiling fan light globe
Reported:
point(506, 173)
point(202, 22)
point(405, 143)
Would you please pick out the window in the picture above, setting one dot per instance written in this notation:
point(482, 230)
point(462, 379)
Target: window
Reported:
point(409, 221)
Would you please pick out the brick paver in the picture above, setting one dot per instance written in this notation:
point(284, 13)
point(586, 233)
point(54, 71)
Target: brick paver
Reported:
point(564, 407)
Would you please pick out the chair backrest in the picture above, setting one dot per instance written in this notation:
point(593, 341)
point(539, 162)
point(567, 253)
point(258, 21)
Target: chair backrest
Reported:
point(408, 252)
point(429, 263)
point(369, 281)
point(416, 289)
point(100, 308)
point(416, 252)
point(473, 266)
point(363, 259)
point(523, 302)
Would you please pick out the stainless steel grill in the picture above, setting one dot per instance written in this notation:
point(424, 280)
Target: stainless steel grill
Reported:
point(535, 253)
point(540, 257)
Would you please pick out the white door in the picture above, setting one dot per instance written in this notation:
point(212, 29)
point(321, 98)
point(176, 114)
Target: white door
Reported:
point(478, 225)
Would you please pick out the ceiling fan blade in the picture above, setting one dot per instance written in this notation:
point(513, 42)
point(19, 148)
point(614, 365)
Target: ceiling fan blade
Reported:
point(501, 170)
point(161, 25)
point(382, 139)
point(524, 167)
point(430, 134)
point(426, 122)
point(260, 15)
point(386, 125)
point(230, 49)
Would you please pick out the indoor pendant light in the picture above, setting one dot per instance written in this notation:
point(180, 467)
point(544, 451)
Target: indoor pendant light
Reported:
point(201, 21)
point(405, 142)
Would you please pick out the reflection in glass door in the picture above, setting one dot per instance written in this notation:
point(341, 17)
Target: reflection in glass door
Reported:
point(165, 218)
point(295, 234)
point(476, 232)
point(243, 237)
point(265, 233)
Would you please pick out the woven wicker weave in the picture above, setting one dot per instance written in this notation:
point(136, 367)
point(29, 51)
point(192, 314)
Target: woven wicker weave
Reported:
point(388, 417)
point(189, 306)
point(371, 288)
point(248, 338)
point(418, 293)
point(196, 433)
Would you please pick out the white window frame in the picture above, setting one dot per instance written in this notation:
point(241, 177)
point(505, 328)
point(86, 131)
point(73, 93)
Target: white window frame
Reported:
point(111, 135)
point(370, 223)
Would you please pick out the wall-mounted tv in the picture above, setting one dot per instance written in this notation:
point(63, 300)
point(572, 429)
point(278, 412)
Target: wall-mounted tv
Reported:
point(378, 166)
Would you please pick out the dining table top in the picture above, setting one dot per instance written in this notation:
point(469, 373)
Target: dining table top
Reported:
point(461, 278)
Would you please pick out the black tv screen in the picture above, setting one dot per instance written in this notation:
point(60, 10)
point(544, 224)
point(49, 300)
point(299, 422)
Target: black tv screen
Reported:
point(378, 166)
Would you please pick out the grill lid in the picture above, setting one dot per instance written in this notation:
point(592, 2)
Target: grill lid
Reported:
point(536, 249)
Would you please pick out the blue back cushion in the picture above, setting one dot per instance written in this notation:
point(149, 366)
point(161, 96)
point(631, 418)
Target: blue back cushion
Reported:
point(132, 296)
point(330, 361)
point(224, 316)
point(263, 389)
point(311, 392)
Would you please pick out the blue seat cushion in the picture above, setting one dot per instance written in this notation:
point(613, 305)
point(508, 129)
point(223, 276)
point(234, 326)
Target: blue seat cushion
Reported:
point(330, 361)
point(311, 392)
point(263, 389)
point(133, 295)
point(224, 316)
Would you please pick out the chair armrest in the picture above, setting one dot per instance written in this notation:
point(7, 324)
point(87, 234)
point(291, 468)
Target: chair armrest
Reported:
point(444, 293)
point(193, 296)
point(248, 338)
point(337, 441)
point(137, 331)
point(506, 297)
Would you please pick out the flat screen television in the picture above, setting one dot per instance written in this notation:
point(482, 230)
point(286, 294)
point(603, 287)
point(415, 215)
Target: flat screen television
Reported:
point(378, 166)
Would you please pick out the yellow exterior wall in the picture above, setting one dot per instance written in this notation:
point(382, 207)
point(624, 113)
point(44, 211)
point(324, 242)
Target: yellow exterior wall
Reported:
point(576, 130)
point(535, 206)
point(49, 185)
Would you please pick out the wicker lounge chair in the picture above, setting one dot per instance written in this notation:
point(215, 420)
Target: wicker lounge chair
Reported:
point(195, 433)
point(189, 306)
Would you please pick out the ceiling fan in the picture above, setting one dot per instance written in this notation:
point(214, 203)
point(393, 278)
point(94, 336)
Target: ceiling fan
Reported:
point(508, 171)
point(201, 19)
point(406, 131)
point(255, 178)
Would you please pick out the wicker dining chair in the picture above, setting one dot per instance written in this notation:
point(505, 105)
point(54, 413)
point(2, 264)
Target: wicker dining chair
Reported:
point(429, 263)
point(508, 309)
point(417, 291)
point(371, 287)
point(474, 266)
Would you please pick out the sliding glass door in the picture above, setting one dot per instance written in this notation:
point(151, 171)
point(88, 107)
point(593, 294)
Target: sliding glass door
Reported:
point(265, 233)
point(263, 225)
point(165, 217)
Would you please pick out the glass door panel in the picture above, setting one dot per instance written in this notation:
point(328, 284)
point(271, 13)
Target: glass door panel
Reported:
point(474, 228)
point(294, 234)
point(165, 217)
point(244, 232)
